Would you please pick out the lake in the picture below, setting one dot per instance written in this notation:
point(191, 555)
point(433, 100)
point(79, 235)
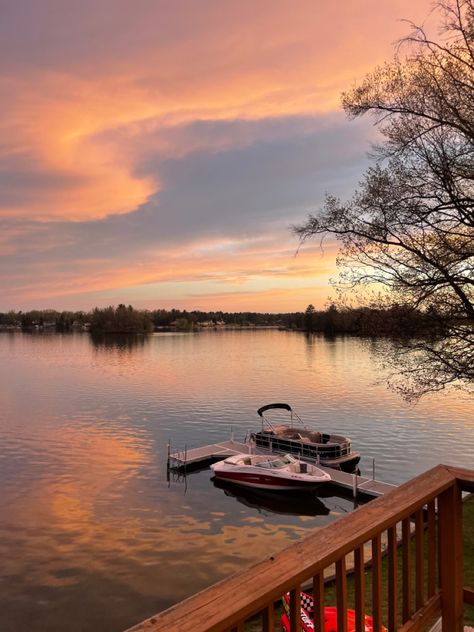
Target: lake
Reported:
point(92, 534)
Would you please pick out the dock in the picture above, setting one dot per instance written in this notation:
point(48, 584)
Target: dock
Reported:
point(198, 458)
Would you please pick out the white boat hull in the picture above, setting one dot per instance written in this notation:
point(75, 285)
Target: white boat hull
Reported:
point(255, 473)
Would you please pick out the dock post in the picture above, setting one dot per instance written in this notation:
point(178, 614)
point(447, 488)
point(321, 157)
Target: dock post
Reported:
point(354, 484)
point(231, 434)
point(373, 469)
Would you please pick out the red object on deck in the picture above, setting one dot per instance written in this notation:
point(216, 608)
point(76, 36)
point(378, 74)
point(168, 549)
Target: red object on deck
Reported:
point(330, 617)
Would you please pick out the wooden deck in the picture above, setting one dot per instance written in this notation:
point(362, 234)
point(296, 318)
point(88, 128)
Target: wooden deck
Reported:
point(413, 594)
point(197, 458)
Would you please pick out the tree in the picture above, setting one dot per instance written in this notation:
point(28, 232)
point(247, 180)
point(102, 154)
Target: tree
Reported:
point(121, 319)
point(410, 226)
point(309, 318)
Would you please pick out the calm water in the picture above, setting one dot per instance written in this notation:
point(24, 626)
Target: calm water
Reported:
point(92, 535)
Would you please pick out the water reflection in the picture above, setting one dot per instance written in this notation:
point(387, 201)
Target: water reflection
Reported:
point(302, 504)
point(87, 517)
point(119, 342)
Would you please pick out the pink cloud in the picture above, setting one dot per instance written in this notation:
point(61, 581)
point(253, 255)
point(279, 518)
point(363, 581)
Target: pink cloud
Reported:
point(185, 121)
point(77, 78)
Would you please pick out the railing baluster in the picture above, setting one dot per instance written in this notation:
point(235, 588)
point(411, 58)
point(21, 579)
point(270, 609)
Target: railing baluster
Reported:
point(359, 589)
point(341, 595)
point(419, 559)
point(268, 618)
point(392, 579)
point(376, 583)
point(295, 610)
point(318, 596)
point(406, 571)
point(431, 549)
point(451, 560)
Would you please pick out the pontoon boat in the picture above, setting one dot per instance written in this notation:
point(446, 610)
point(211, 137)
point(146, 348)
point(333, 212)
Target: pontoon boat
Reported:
point(328, 449)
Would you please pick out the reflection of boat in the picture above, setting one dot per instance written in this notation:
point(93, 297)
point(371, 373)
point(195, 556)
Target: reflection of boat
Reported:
point(328, 449)
point(277, 503)
point(330, 617)
point(268, 471)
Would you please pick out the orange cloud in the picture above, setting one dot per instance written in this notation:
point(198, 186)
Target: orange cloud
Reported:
point(249, 61)
point(197, 271)
point(120, 125)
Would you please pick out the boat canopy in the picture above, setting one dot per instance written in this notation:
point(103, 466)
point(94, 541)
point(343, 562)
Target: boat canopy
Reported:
point(261, 410)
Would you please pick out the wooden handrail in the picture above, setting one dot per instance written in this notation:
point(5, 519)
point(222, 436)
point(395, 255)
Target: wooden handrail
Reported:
point(229, 602)
point(463, 476)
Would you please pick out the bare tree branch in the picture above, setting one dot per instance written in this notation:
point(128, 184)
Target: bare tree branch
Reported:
point(410, 225)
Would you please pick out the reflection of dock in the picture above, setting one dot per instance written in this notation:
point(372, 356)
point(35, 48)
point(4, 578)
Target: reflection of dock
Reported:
point(197, 458)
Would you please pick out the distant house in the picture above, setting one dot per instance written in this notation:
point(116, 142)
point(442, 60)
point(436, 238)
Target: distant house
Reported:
point(206, 323)
point(211, 323)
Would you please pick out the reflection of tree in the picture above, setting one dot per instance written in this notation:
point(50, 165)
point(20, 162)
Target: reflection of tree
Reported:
point(118, 342)
point(410, 226)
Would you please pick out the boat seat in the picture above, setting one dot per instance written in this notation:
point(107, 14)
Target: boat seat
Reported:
point(281, 429)
point(304, 439)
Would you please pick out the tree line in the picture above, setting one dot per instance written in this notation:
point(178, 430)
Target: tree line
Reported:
point(128, 319)
point(123, 319)
point(395, 320)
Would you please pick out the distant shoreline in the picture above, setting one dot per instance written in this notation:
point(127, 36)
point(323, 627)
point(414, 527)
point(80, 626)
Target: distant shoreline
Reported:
point(398, 321)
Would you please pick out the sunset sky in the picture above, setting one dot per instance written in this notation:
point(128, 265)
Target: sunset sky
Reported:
point(156, 152)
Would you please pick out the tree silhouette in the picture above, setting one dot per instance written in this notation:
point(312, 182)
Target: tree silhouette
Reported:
point(410, 225)
point(309, 318)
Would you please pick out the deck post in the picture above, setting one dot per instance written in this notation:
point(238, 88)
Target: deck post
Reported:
point(451, 558)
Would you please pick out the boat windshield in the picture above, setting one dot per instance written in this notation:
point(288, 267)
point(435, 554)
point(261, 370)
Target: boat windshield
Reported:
point(274, 463)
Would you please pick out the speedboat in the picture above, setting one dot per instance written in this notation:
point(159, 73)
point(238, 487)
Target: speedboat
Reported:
point(270, 471)
point(328, 449)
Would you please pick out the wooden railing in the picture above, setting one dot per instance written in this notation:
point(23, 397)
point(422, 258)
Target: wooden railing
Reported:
point(426, 512)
